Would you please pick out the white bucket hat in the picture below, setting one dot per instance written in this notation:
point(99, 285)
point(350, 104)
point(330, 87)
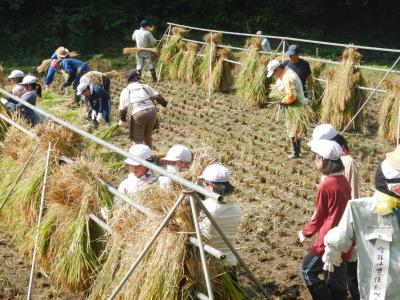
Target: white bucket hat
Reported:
point(81, 87)
point(327, 149)
point(28, 79)
point(272, 65)
point(178, 153)
point(323, 132)
point(16, 74)
point(141, 151)
point(215, 173)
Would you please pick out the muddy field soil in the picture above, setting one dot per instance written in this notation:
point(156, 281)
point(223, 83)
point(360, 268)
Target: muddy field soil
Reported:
point(276, 194)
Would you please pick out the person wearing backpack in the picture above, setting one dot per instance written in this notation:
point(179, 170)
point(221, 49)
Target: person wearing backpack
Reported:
point(136, 106)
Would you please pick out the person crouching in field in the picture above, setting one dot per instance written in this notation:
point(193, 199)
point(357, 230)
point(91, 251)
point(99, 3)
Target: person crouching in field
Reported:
point(290, 86)
point(103, 80)
point(215, 178)
point(31, 90)
point(60, 53)
point(333, 193)
point(75, 69)
point(178, 160)
point(99, 102)
point(136, 107)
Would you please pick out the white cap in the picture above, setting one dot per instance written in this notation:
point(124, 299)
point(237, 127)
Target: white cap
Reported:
point(178, 153)
point(28, 79)
point(323, 132)
point(327, 149)
point(215, 173)
point(81, 87)
point(259, 32)
point(139, 150)
point(272, 65)
point(16, 74)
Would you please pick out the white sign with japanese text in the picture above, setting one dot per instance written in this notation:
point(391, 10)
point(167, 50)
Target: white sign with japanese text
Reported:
point(380, 270)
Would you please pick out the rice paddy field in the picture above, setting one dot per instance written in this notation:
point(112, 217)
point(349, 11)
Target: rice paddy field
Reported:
point(276, 195)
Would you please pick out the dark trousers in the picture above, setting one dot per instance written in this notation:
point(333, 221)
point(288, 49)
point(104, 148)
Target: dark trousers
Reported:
point(334, 284)
point(352, 280)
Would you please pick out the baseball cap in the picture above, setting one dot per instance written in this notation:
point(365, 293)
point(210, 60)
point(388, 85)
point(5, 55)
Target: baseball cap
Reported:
point(293, 49)
point(28, 79)
point(272, 65)
point(178, 153)
point(141, 151)
point(16, 74)
point(144, 23)
point(327, 149)
point(215, 173)
point(81, 87)
point(323, 132)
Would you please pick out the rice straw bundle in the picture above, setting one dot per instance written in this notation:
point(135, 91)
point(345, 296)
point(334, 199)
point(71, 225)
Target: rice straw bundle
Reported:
point(247, 71)
point(341, 99)
point(99, 63)
point(73, 54)
point(63, 140)
point(134, 50)
point(70, 243)
point(253, 42)
point(178, 31)
point(187, 67)
point(1, 75)
point(173, 68)
point(17, 146)
point(222, 72)
point(209, 57)
point(297, 118)
point(318, 90)
point(260, 84)
point(389, 111)
point(44, 66)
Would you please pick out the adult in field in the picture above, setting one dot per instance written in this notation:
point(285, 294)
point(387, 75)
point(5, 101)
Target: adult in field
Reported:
point(178, 160)
point(32, 90)
point(145, 39)
point(301, 67)
point(99, 102)
point(75, 70)
point(226, 213)
point(264, 43)
point(60, 53)
point(373, 223)
point(136, 107)
point(102, 81)
point(333, 193)
point(289, 84)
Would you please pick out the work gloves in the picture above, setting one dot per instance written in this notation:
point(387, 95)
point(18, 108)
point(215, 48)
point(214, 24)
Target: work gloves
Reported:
point(99, 117)
point(332, 258)
point(121, 123)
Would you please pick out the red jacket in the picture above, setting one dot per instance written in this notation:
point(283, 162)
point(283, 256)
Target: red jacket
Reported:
point(333, 193)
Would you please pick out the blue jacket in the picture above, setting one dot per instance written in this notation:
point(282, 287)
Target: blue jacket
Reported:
point(28, 113)
point(99, 99)
point(73, 66)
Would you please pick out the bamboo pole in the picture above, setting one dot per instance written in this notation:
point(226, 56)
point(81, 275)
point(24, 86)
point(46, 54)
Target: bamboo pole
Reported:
point(39, 222)
point(161, 64)
point(210, 68)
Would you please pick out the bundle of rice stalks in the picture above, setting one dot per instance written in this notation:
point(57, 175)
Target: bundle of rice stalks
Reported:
point(1, 75)
point(222, 79)
point(63, 140)
point(208, 57)
point(341, 99)
point(297, 119)
point(389, 111)
point(17, 145)
point(105, 133)
point(253, 42)
point(318, 90)
point(96, 77)
point(99, 63)
point(134, 50)
point(44, 66)
point(187, 67)
point(178, 31)
point(247, 71)
point(70, 243)
point(213, 37)
point(173, 67)
point(260, 85)
point(73, 54)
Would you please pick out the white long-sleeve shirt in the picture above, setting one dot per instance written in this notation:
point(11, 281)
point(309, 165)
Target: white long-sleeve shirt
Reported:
point(227, 217)
point(359, 223)
point(143, 39)
point(133, 184)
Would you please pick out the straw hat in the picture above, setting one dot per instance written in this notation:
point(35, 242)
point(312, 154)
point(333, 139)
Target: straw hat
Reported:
point(62, 52)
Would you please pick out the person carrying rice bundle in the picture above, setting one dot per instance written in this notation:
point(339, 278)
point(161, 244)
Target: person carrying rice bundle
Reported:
point(75, 69)
point(32, 89)
point(145, 39)
point(333, 194)
point(373, 223)
point(178, 160)
point(60, 53)
point(139, 176)
point(136, 107)
point(99, 102)
point(289, 84)
point(96, 78)
point(215, 178)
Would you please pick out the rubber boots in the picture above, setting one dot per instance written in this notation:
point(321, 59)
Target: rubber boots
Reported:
point(153, 75)
point(296, 144)
point(319, 291)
